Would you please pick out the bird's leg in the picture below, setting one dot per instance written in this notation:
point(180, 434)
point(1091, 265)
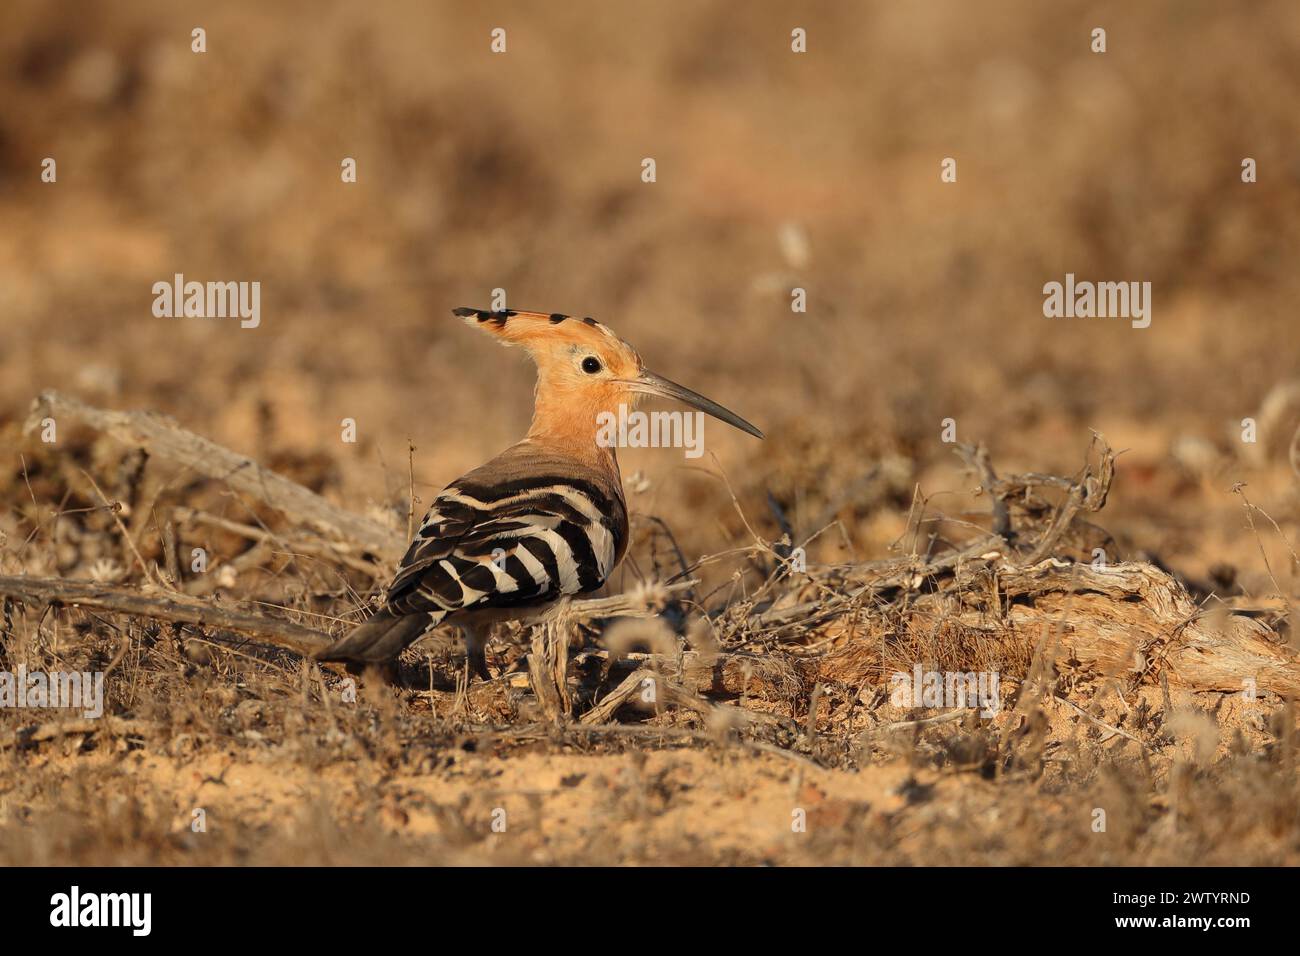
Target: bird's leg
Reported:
point(475, 656)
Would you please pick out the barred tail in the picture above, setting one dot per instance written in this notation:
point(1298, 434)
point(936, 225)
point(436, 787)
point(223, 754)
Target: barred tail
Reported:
point(381, 638)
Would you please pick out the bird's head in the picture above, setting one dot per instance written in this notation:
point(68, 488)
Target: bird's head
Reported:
point(584, 369)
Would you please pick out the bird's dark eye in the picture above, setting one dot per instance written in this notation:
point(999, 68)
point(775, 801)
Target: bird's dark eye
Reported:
point(591, 365)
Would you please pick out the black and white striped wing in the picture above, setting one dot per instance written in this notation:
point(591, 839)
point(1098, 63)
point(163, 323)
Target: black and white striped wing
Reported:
point(525, 529)
point(519, 542)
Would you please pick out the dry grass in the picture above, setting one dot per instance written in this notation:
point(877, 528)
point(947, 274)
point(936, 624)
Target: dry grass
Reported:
point(777, 697)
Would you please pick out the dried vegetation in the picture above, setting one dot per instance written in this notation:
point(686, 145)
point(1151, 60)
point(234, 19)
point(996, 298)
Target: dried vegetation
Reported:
point(794, 668)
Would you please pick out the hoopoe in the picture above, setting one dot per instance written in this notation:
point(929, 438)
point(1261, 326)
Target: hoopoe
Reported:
point(544, 520)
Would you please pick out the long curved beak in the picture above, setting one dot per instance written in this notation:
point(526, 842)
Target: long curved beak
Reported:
point(652, 384)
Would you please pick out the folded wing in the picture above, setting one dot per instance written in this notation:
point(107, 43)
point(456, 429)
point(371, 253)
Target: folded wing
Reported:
point(522, 530)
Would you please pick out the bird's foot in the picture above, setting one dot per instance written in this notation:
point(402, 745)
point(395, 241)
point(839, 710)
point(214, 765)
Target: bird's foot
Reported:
point(476, 665)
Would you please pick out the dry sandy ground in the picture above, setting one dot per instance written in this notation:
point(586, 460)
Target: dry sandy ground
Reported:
point(286, 780)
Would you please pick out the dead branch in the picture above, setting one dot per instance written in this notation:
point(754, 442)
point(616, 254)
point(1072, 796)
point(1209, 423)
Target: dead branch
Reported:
point(292, 545)
point(944, 718)
point(113, 726)
point(646, 600)
point(977, 458)
point(163, 438)
point(179, 609)
point(1087, 493)
point(548, 670)
point(604, 711)
point(669, 692)
point(1110, 728)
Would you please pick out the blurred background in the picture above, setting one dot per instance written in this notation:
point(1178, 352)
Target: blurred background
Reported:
point(775, 170)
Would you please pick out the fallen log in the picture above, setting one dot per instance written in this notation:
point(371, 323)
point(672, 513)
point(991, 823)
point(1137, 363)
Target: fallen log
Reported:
point(1130, 621)
point(163, 438)
point(1134, 620)
point(173, 607)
